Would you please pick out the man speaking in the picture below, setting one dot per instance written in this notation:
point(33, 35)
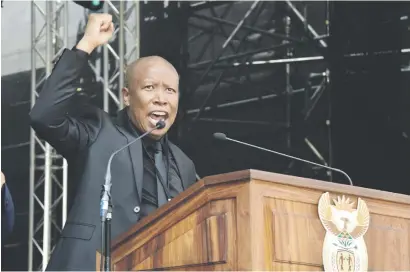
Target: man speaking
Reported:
point(144, 175)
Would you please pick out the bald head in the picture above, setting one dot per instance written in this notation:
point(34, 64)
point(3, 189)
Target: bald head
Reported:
point(137, 67)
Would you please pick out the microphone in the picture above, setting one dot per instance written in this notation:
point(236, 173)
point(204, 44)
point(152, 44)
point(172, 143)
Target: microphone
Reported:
point(222, 137)
point(107, 186)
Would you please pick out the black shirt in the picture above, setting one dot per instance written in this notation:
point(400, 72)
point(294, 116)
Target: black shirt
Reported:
point(173, 180)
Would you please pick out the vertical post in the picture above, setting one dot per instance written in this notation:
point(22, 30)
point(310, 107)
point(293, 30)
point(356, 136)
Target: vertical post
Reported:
point(47, 155)
point(32, 142)
point(105, 72)
point(65, 164)
point(287, 22)
point(329, 93)
point(137, 28)
point(121, 53)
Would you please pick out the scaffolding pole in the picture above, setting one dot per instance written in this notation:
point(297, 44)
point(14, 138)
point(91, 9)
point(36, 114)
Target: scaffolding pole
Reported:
point(48, 170)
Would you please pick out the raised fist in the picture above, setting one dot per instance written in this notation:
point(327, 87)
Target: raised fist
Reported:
point(98, 31)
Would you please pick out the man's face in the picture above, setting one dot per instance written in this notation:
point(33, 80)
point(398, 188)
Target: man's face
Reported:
point(153, 96)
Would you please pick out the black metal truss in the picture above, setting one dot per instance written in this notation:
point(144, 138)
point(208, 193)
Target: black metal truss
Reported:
point(258, 44)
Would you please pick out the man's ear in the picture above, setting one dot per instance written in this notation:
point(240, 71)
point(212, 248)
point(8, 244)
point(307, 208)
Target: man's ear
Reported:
point(126, 96)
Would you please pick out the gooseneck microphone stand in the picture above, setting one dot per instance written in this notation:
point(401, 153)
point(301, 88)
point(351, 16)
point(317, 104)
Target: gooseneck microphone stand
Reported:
point(106, 216)
point(106, 206)
point(106, 240)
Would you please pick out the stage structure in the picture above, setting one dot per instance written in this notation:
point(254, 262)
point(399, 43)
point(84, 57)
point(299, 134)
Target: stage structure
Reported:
point(251, 53)
point(48, 170)
point(108, 63)
point(262, 68)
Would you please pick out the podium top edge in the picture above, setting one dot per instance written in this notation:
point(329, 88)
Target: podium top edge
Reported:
point(249, 175)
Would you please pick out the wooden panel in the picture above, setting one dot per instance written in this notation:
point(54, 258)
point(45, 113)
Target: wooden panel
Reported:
point(303, 241)
point(388, 243)
point(310, 195)
point(205, 244)
point(201, 239)
point(243, 244)
point(294, 234)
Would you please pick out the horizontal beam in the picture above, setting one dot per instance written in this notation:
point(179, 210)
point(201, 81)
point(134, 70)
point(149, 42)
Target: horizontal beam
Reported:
point(208, 4)
point(241, 102)
point(313, 58)
point(222, 120)
point(254, 29)
point(239, 55)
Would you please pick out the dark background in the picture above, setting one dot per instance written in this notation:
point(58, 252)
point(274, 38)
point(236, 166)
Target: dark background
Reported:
point(366, 102)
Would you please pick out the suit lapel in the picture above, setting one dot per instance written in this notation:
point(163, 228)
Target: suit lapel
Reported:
point(135, 150)
point(182, 167)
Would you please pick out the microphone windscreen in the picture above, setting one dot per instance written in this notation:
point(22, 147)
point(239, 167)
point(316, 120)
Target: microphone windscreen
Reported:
point(160, 124)
point(219, 136)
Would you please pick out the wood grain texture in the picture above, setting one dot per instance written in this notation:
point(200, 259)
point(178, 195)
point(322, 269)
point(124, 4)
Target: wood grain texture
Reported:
point(294, 236)
point(254, 220)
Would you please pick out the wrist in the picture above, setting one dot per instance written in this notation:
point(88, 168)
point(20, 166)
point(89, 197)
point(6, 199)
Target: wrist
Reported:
point(85, 46)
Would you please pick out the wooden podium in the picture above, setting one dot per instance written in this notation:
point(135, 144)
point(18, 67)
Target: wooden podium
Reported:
point(254, 220)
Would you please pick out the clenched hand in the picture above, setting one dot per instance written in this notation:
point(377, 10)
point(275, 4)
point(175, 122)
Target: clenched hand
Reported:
point(98, 31)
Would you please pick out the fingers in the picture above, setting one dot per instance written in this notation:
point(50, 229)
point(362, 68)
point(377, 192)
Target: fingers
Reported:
point(104, 20)
point(106, 24)
point(111, 29)
point(107, 27)
point(105, 17)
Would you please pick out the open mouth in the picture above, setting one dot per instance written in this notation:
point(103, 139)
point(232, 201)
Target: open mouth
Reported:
point(156, 116)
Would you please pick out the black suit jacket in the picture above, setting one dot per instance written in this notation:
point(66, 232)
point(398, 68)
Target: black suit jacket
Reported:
point(86, 136)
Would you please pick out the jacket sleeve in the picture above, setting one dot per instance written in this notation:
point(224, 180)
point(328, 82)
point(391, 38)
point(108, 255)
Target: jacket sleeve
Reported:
point(7, 221)
point(59, 116)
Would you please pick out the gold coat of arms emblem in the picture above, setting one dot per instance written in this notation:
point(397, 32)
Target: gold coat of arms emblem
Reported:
point(344, 248)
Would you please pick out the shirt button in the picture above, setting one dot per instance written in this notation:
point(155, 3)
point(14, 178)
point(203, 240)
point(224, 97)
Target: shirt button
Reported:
point(137, 209)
